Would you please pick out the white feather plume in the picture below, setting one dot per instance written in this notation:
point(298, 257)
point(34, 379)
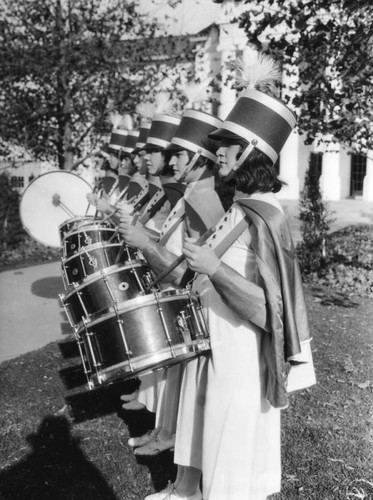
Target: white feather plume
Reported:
point(127, 122)
point(195, 92)
point(146, 110)
point(114, 118)
point(163, 103)
point(120, 121)
point(257, 71)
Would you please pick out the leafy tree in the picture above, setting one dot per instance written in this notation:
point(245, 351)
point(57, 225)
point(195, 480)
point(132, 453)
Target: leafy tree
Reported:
point(67, 63)
point(329, 45)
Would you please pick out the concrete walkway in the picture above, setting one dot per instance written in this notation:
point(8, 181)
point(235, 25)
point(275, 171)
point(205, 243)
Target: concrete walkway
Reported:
point(30, 313)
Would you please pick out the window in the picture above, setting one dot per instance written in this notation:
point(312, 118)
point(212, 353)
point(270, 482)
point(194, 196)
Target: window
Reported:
point(358, 171)
point(17, 182)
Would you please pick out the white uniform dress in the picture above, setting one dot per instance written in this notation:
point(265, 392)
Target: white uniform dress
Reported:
point(153, 390)
point(239, 431)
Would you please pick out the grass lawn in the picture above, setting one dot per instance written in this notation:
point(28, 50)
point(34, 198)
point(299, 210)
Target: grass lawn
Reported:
point(60, 442)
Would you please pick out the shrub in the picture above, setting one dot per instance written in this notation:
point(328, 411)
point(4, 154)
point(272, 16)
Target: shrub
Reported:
point(350, 262)
point(315, 220)
point(11, 231)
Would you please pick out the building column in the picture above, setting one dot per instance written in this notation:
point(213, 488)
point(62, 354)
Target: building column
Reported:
point(289, 171)
point(330, 180)
point(368, 179)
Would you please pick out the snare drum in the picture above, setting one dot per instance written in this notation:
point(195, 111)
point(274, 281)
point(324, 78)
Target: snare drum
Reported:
point(145, 334)
point(89, 235)
point(75, 223)
point(106, 290)
point(92, 258)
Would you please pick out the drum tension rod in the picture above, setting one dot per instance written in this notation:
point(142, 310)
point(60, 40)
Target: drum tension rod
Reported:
point(126, 347)
point(89, 334)
point(106, 281)
point(79, 294)
point(164, 324)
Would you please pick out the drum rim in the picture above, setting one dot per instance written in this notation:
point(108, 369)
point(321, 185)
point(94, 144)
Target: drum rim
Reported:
point(99, 274)
point(87, 228)
point(185, 351)
point(77, 219)
point(131, 304)
point(94, 246)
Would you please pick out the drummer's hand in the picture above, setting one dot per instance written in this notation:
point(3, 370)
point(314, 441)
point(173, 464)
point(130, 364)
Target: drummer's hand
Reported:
point(103, 206)
point(125, 218)
point(133, 235)
point(200, 259)
point(92, 198)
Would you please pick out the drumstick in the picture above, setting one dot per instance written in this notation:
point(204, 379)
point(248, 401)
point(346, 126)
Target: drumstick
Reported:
point(200, 241)
point(56, 201)
point(89, 204)
point(124, 245)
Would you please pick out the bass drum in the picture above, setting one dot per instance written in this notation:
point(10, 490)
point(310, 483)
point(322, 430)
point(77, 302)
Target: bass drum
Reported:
point(143, 335)
point(51, 199)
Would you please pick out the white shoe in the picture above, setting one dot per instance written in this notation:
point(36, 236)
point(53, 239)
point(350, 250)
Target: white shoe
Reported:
point(156, 445)
point(144, 439)
point(169, 493)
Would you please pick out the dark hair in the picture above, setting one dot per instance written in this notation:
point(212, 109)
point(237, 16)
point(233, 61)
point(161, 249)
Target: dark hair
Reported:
point(225, 190)
point(257, 173)
point(167, 170)
point(201, 161)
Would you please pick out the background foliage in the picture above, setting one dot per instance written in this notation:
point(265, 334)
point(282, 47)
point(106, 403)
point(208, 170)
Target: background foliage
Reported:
point(67, 63)
point(326, 48)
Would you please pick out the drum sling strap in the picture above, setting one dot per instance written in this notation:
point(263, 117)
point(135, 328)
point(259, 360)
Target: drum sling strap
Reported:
point(157, 203)
point(219, 250)
point(166, 236)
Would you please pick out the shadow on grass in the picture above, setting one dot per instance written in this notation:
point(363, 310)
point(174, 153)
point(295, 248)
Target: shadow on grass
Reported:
point(56, 468)
point(87, 404)
point(329, 298)
point(161, 467)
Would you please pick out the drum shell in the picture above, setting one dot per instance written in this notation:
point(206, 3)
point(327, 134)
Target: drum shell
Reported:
point(107, 289)
point(93, 258)
point(134, 341)
point(86, 236)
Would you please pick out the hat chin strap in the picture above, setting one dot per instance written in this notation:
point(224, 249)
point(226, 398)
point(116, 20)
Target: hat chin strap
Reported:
point(239, 162)
point(190, 165)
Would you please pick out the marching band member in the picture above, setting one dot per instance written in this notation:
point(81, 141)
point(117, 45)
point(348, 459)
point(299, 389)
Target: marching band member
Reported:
point(113, 152)
point(250, 284)
point(193, 159)
point(152, 217)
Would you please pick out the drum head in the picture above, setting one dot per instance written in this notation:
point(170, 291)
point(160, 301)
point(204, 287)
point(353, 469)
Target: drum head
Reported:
point(51, 199)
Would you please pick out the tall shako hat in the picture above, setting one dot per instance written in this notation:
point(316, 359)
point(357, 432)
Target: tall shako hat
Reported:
point(146, 111)
point(164, 123)
point(131, 140)
point(262, 120)
point(121, 126)
point(162, 130)
point(195, 127)
point(143, 135)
